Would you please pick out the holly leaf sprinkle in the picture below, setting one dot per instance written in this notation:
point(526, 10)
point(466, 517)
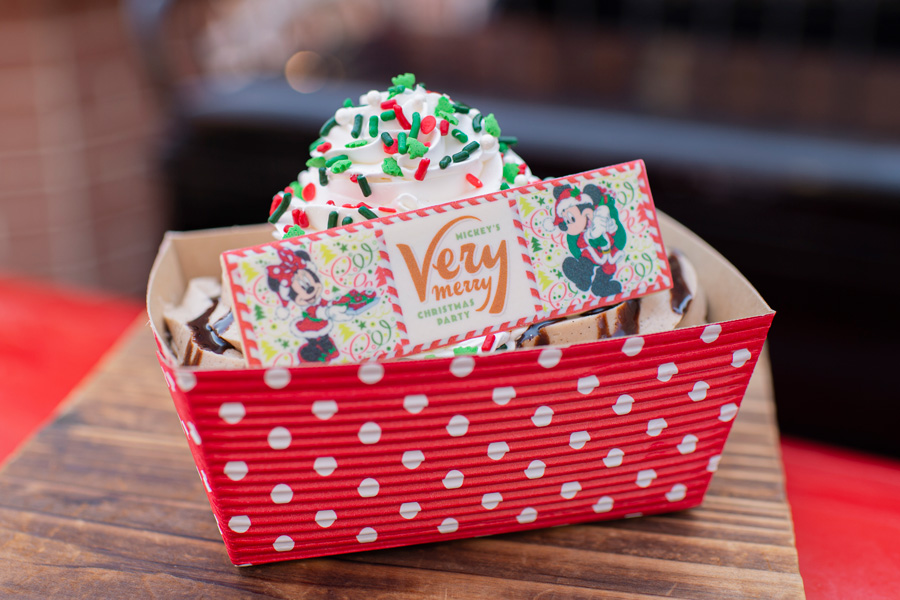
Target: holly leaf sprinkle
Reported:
point(390, 167)
point(316, 162)
point(416, 149)
point(444, 110)
point(294, 231)
point(341, 166)
point(510, 170)
point(404, 79)
point(491, 126)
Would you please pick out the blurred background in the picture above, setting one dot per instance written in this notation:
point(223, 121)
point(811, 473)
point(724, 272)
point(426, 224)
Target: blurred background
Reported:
point(769, 127)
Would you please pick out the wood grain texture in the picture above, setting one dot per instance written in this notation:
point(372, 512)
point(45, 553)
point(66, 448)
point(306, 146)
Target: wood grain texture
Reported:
point(106, 502)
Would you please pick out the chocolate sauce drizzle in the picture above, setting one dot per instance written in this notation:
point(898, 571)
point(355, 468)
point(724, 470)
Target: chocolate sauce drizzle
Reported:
point(681, 295)
point(536, 331)
point(207, 337)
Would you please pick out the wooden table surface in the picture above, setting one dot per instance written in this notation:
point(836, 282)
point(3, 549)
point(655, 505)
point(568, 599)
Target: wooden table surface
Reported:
point(105, 502)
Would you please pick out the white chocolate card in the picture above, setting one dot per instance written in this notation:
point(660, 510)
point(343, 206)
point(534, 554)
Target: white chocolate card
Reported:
point(436, 276)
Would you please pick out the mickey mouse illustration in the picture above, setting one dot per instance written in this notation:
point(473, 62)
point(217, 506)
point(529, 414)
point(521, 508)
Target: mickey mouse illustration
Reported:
point(594, 235)
point(295, 279)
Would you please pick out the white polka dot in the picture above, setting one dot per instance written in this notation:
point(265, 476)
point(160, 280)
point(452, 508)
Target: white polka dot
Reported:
point(613, 458)
point(740, 357)
point(448, 525)
point(688, 444)
point(711, 333)
point(366, 535)
point(497, 450)
point(623, 405)
point(370, 373)
point(549, 357)
point(205, 480)
point(415, 403)
point(412, 459)
point(603, 504)
point(727, 412)
point(232, 412)
point(368, 488)
point(186, 380)
point(324, 409)
point(502, 395)
point(677, 493)
point(326, 518)
point(569, 489)
point(461, 366)
point(195, 435)
point(645, 477)
point(633, 346)
point(528, 515)
point(284, 543)
point(325, 465)
point(235, 470)
point(542, 416)
point(409, 510)
point(656, 426)
point(587, 384)
point(713, 464)
point(369, 433)
point(458, 426)
point(578, 439)
point(282, 494)
point(279, 438)
point(453, 480)
point(277, 378)
point(491, 500)
point(699, 392)
point(239, 523)
point(535, 469)
point(666, 370)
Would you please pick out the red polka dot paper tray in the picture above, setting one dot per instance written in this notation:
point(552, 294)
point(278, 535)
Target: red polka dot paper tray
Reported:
point(317, 460)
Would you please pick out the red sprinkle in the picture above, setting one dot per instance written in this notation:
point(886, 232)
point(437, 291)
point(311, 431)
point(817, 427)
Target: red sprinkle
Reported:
point(387, 209)
point(474, 180)
point(522, 168)
point(309, 191)
point(287, 228)
point(445, 126)
point(392, 149)
point(300, 218)
point(488, 343)
point(401, 118)
point(324, 147)
point(423, 168)
point(427, 124)
point(330, 203)
point(353, 177)
point(276, 202)
point(388, 104)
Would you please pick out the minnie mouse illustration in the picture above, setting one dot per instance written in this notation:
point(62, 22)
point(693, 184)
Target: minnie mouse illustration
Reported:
point(295, 280)
point(594, 235)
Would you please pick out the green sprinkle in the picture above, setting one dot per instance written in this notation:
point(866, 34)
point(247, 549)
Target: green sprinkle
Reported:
point(390, 167)
point(465, 350)
point(510, 171)
point(294, 231)
point(416, 148)
point(444, 110)
point(341, 166)
point(386, 139)
point(462, 108)
point(327, 126)
point(397, 89)
point(388, 115)
point(460, 135)
point(316, 144)
point(332, 219)
point(476, 121)
point(460, 156)
point(491, 126)
point(471, 147)
point(348, 103)
point(316, 162)
point(348, 220)
point(404, 79)
point(357, 126)
point(445, 162)
point(356, 143)
point(367, 212)
point(364, 185)
point(401, 142)
point(335, 159)
point(509, 140)
point(503, 148)
point(504, 186)
point(323, 176)
point(414, 126)
point(295, 185)
point(285, 202)
point(373, 126)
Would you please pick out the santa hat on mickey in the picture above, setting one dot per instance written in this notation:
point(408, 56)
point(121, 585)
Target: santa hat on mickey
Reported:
point(566, 196)
point(284, 271)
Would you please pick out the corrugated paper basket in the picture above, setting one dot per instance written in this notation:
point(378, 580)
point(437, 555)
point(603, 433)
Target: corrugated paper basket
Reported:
point(320, 460)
